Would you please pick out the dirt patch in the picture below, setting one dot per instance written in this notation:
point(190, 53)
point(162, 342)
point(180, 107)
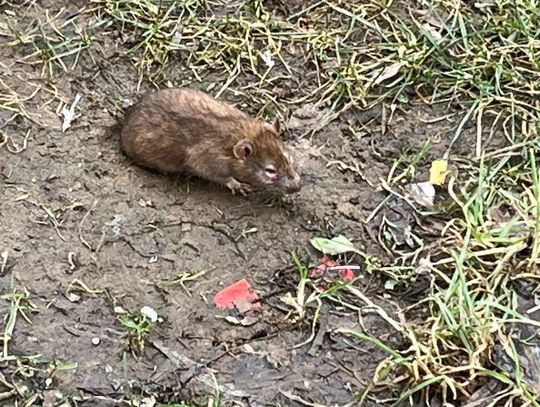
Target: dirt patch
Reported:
point(75, 210)
point(66, 189)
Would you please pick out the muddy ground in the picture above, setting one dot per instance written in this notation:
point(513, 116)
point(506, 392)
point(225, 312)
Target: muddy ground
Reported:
point(74, 210)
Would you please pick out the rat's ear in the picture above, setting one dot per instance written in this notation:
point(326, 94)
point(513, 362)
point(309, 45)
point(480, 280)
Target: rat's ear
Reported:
point(276, 125)
point(243, 149)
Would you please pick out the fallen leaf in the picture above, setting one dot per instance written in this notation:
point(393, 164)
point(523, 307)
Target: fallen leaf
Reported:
point(432, 31)
point(243, 306)
point(267, 58)
point(69, 114)
point(397, 219)
point(246, 321)
point(231, 320)
point(334, 246)
point(119, 310)
point(422, 193)
point(438, 171)
point(386, 73)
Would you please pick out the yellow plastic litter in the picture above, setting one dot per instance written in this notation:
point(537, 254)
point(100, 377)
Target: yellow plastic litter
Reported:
point(438, 171)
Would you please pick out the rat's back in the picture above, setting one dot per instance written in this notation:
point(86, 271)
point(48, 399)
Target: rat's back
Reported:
point(161, 129)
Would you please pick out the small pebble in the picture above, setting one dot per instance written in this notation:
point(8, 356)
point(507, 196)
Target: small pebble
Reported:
point(119, 310)
point(185, 227)
point(95, 341)
point(73, 297)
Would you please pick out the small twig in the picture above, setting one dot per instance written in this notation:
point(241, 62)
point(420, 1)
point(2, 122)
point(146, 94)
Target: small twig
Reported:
point(16, 150)
point(54, 221)
point(71, 261)
point(81, 238)
point(300, 400)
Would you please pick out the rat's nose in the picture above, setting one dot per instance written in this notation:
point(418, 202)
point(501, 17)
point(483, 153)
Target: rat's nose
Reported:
point(294, 184)
point(296, 188)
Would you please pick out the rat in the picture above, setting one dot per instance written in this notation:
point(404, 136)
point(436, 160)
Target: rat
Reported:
point(183, 130)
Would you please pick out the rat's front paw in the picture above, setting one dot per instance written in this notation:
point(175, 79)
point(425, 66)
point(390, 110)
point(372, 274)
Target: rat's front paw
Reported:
point(238, 187)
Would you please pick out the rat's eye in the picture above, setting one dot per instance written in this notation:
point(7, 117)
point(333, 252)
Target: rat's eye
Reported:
point(270, 171)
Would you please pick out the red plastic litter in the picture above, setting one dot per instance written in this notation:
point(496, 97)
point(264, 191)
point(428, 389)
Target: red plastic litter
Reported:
point(321, 271)
point(348, 274)
point(237, 293)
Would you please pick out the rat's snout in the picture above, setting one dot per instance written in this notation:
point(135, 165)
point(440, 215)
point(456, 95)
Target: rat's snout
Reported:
point(292, 184)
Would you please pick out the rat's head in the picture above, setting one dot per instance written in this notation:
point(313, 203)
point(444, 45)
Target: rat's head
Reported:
point(262, 159)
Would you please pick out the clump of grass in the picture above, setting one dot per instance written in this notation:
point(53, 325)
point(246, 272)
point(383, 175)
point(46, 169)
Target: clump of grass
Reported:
point(484, 251)
point(482, 60)
point(199, 38)
point(345, 54)
point(53, 41)
point(138, 327)
point(315, 55)
point(338, 54)
point(466, 329)
point(21, 367)
point(20, 306)
point(179, 279)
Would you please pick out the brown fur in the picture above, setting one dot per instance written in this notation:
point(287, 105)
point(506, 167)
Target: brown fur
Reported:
point(184, 130)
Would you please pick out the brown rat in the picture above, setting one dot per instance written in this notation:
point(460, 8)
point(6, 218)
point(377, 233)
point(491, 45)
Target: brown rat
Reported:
point(185, 130)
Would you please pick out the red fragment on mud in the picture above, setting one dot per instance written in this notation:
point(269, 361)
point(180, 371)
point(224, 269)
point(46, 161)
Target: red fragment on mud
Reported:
point(321, 270)
point(237, 293)
point(348, 274)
